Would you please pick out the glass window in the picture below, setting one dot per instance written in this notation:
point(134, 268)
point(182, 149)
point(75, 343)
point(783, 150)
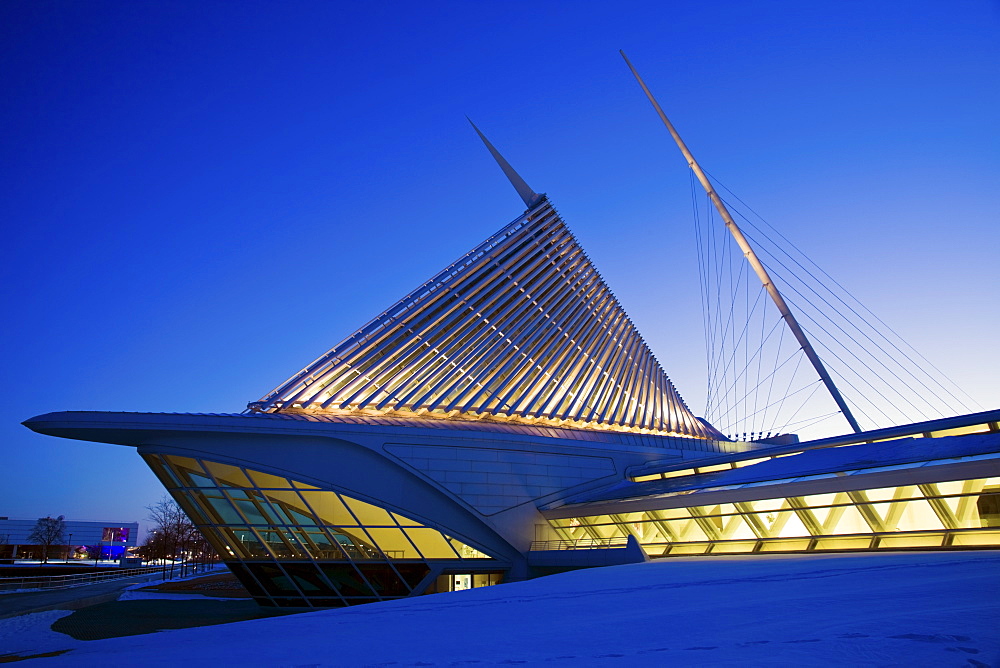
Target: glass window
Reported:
point(355, 545)
point(766, 505)
point(190, 507)
point(368, 514)
point(791, 525)
point(405, 521)
point(393, 543)
point(281, 543)
point(845, 520)
point(814, 500)
point(227, 475)
point(321, 545)
point(346, 579)
point(248, 581)
point(431, 543)
point(223, 511)
point(268, 480)
point(988, 505)
point(189, 472)
point(412, 573)
point(911, 540)
point(245, 541)
point(185, 462)
point(329, 508)
point(163, 472)
point(253, 507)
point(736, 528)
point(290, 507)
point(486, 579)
point(918, 515)
point(881, 494)
point(307, 578)
point(273, 578)
point(384, 580)
point(685, 530)
point(467, 551)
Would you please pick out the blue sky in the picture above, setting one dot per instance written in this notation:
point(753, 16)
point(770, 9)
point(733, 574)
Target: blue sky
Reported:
point(200, 198)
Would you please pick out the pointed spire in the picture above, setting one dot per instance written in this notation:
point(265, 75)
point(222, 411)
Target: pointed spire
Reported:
point(530, 197)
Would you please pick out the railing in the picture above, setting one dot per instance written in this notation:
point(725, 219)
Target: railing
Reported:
point(50, 582)
point(579, 544)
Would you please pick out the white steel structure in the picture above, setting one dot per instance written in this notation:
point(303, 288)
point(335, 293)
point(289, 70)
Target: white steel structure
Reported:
point(522, 328)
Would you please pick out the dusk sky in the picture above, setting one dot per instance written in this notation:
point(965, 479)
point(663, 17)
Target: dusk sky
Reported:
point(201, 198)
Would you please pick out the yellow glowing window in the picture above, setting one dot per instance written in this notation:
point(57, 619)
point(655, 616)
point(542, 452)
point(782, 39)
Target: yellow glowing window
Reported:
point(329, 508)
point(268, 480)
point(814, 500)
point(911, 540)
point(713, 468)
point(978, 538)
point(881, 494)
point(960, 431)
point(431, 543)
point(952, 487)
point(844, 543)
point(368, 514)
point(290, 505)
point(163, 472)
point(767, 505)
point(734, 547)
point(792, 545)
point(186, 462)
point(846, 520)
point(405, 521)
point(393, 543)
point(750, 462)
point(227, 475)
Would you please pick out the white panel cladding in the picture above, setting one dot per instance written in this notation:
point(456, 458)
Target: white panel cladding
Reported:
point(521, 328)
point(493, 480)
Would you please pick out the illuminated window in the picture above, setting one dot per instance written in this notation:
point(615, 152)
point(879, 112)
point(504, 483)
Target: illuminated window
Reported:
point(302, 545)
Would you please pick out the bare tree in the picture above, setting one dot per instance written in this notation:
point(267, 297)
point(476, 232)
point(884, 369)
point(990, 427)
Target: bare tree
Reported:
point(173, 536)
point(48, 531)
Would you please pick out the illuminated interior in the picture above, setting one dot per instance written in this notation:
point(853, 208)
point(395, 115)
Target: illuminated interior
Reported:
point(296, 545)
point(959, 513)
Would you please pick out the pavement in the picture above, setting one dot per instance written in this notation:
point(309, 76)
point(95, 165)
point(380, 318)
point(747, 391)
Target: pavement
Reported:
point(98, 614)
point(12, 605)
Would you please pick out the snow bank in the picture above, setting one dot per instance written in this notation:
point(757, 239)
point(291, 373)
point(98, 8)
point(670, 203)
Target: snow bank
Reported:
point(922, 609)
point(30, 634)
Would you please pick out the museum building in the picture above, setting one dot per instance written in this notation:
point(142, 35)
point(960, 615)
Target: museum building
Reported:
point(506, 420)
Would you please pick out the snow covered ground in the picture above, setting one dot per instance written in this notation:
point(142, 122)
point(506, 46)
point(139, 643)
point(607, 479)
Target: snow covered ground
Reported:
point(918, 609)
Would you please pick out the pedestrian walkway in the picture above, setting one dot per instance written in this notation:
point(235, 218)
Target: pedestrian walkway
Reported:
point(12, 605)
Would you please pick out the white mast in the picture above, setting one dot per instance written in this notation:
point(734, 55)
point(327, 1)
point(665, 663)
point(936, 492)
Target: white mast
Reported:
point(752, 258)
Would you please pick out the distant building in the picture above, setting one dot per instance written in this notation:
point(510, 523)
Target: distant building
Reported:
point(112, 538)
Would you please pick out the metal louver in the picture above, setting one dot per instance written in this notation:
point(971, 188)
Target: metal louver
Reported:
point(522, 328)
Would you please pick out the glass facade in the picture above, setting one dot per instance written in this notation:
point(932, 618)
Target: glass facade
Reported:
point(293, 545)
point(954, 514)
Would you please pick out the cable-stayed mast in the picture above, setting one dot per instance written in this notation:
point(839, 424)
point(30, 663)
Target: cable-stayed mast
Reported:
point(752, 258)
